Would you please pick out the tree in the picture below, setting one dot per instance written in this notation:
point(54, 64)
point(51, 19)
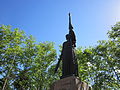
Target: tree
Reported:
point(100, 65)
point(23, 63)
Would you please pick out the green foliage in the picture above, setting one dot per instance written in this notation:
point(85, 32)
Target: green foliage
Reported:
point(23, 63)
point(100, 65)
point(26, 65)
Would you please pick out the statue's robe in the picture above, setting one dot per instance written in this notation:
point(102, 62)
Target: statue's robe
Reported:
point(69, 63)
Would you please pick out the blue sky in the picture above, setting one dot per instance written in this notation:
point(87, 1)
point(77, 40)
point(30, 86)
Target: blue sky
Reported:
point(47, 20)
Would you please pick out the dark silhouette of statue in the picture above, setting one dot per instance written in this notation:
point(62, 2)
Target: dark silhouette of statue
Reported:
point(69, 61)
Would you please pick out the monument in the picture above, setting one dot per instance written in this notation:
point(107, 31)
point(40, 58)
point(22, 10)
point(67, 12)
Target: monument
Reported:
point(68, 58)
point(70, 78)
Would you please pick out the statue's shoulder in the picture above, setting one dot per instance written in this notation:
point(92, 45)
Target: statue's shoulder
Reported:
point(66, 42)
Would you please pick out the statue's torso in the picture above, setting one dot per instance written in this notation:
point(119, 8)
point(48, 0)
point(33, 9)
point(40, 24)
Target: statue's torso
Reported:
point(68, 58)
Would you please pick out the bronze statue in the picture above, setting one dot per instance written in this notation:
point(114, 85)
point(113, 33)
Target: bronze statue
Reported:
point(69, 61)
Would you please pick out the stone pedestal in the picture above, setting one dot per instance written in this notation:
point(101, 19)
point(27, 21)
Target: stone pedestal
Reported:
point(70, 83)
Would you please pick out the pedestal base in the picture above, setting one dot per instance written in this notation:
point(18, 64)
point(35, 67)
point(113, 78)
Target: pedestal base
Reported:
point(70, 83)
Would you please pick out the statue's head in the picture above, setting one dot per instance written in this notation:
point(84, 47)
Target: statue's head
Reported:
point(67, 37)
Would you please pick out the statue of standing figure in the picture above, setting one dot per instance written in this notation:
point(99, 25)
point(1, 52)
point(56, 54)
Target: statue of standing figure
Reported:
point(69, 60)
